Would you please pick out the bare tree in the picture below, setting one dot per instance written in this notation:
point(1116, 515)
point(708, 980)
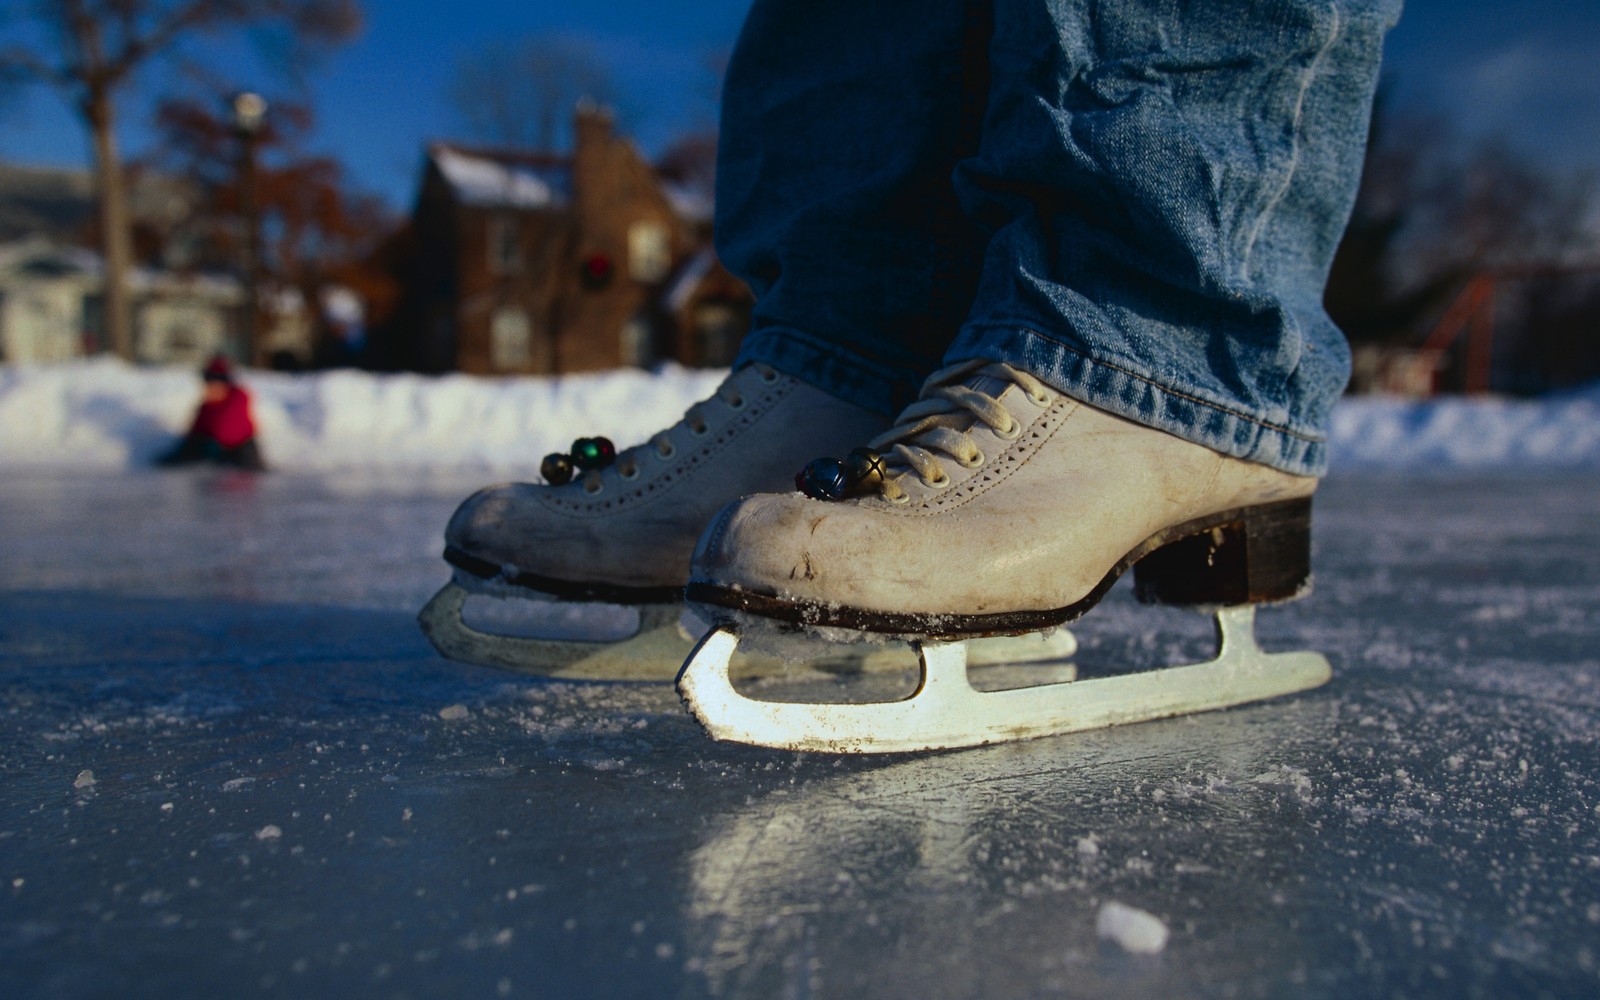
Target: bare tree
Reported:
point(96, 50)
point(1439, 219)
point(521, 93)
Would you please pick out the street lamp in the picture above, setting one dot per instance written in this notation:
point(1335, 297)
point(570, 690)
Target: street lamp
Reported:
point(249, 112)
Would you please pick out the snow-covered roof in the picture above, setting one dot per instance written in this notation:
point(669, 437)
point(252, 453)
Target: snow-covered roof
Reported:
point(488, 181)
point(690, 204)
point(61, 261)
point(678, 291)
point(39, 249)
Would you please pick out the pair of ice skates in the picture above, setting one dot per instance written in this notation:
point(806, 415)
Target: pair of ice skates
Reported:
point(995, 511)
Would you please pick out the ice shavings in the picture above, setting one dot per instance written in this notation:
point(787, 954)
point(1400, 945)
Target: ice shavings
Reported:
point(1130, 928)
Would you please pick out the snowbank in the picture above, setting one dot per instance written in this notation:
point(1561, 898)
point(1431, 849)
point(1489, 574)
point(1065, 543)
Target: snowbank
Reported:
point(105, 414)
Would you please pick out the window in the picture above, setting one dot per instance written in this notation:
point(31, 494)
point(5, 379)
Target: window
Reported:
point(649, 252)
point(510, 340)
point(505, 245)
point(718, 331)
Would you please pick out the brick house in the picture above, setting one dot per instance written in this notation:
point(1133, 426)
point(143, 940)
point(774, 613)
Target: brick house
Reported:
point(531, 263)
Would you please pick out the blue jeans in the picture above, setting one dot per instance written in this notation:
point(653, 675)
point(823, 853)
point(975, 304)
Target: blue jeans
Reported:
point(1137, 202)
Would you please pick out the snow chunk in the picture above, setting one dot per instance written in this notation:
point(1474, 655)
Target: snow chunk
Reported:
point(269, 832)
point(85, 779)
point(1131, 928)
point(452, 713)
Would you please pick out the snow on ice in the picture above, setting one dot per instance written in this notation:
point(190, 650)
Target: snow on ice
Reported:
point(107, 415)
point(1130, 928)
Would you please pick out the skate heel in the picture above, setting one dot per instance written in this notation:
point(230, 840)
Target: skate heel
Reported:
point(1261, 555)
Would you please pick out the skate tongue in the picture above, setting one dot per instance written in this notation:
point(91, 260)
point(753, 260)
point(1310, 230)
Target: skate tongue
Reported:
point(989, 385)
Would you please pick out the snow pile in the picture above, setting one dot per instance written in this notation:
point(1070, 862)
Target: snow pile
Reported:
point(1562, 429)
point(104, 414)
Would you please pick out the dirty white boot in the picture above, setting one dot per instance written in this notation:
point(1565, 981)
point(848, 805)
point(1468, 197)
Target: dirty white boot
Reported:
point(998, 505)
point(624, 532)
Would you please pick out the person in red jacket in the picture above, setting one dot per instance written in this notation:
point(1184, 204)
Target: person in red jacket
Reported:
point(222, 430)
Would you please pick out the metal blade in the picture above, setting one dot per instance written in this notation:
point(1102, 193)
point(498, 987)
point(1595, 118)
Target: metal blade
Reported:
point(657, 650)
point(946, 711)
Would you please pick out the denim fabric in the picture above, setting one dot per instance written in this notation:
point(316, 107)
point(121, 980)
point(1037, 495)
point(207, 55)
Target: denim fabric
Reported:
point(841, 125)
point(1135, 201)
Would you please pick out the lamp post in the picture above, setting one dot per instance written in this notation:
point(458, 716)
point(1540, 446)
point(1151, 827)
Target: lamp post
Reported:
point(249, 113)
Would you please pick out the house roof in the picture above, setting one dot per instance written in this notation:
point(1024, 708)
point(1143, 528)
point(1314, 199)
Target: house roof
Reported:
point(39, 257)
point(503, 179)
point(59, 202)
point(53, 201)
point(686, 282)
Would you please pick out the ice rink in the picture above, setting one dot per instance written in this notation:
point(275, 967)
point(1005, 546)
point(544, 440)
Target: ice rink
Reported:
point(230, 765)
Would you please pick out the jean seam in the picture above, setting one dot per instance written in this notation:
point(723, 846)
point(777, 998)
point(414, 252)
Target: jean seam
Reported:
point(1157, 386)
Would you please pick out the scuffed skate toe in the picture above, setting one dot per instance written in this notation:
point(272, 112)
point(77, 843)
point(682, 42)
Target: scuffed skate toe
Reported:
point(477, 524)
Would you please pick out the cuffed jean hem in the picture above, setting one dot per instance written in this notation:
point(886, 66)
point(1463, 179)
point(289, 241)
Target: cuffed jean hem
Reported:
point(833, 368)
point(1141, 399)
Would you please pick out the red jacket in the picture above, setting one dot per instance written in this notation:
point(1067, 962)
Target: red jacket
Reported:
point(227, 421)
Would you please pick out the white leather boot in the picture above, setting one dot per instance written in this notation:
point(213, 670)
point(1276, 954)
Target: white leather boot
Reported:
point(998, 506)
point(1009, 507)
point(624, 533)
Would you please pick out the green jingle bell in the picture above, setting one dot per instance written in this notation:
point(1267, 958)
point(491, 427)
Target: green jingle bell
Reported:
point(556, 469)
point(593, 453)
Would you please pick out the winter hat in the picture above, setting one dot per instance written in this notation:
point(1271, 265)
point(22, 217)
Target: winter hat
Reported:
point(217, 370)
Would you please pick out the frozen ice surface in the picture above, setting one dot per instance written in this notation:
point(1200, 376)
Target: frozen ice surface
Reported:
point(293, 795)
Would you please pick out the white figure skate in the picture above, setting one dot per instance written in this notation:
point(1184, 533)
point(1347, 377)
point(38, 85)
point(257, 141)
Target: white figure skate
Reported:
point(615, 541)
point(1042, 503)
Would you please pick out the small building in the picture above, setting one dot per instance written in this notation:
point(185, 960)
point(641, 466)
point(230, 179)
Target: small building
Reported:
point(533, 263)
point(51, 307)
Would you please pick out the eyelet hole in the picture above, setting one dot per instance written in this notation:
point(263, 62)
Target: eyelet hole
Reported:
point(1039, 400)
point(938, 484)
point(978, 459)
point(668, 451)
point(769, 377)
point(899, 501)
point(1010, 433)
point(736, 404)
point(701, 431)
point(592, 489)
point(631, 473)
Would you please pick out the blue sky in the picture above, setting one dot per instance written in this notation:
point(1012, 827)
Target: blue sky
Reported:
point(1528, 71)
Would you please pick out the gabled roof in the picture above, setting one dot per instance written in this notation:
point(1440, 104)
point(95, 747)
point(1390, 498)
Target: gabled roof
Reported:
point(485, 178)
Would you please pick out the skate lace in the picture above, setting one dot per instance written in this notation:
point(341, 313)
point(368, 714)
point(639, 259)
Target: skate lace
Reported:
point(937, 426)
point(694, 420)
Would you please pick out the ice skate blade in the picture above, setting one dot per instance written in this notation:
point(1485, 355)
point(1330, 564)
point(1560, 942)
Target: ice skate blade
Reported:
point(946, 712)
point(639, 657)
point(659, 647)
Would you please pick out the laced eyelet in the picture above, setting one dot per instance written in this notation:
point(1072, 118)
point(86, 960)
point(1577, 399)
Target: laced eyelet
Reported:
point(978, 459)
point(1040, 400)
point(700, 431)
point(630, 473)
point(667, 452)
point(899, 501)
point(1010, 433)
point(937, 484)
point(735, 404)
point(593, 488)
point(769, 376)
